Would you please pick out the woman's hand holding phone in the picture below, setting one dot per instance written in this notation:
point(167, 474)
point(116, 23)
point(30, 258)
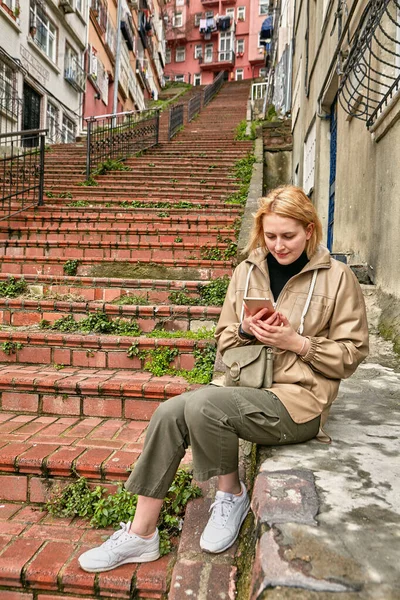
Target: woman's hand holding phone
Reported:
point(263, 315)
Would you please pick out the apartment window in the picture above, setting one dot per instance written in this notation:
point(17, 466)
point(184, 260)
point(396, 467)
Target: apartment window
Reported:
point(260, 43)
point(240, 46)
point(179, 2)
point(52, 116)
point(208, 53)
point(177, 20)
point(241, 13)
point(198, 51)
point(68, 132)
point(209, 14)
point(262, 72)
point(263, 7)
point(99, 12)
point(79, 6)
point(167, 78)
point(197, 18)
point(180, 78)
point(230, 12)
point(239, 75)
point(11, 4)
point(180, 54)
point(46, 33)
point(168, 56)
point(197, 79)
point(8, 92)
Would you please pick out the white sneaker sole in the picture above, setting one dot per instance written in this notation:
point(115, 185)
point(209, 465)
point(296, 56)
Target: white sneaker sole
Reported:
point(146, 557)
point(231, 542)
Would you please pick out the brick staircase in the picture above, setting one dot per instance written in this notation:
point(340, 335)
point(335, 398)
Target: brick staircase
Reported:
point(75, 403)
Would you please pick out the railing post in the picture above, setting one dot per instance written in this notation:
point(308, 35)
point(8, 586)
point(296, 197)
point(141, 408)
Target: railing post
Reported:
point(157, 125)
point(41, 169)
point(88, 140)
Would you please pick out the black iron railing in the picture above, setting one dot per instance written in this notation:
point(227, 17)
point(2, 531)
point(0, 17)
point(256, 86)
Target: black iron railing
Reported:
point(194, 106)
point(21, 170)
point(117, 136)
point(213, 88)
point(175, 120)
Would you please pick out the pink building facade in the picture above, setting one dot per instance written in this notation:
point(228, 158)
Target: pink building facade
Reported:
point(205, 37)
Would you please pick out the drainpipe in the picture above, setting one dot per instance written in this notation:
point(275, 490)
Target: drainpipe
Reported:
point(117, 57)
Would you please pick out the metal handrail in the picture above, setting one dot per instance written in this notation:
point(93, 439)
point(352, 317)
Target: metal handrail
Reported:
point(119, 135)
point(22, 170)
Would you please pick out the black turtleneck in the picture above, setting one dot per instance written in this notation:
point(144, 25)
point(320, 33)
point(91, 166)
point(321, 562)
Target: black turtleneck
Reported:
point(280, 274)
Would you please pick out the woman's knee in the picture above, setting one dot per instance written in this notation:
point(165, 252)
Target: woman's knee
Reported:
point(171, 410)
point(205, 403)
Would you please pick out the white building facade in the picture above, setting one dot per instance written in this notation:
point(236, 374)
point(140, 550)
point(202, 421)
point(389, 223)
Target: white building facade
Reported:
point(42, 76)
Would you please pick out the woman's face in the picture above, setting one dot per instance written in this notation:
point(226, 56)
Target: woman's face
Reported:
point(285, 238)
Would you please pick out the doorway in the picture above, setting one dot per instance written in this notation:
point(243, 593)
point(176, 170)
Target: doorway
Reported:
point(31, 114)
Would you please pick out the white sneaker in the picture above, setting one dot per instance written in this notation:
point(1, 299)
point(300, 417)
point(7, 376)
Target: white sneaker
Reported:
point(122, 547)
point(228, 513)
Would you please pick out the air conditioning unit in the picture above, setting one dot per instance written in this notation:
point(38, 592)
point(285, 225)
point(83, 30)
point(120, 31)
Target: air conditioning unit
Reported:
point(66, 6)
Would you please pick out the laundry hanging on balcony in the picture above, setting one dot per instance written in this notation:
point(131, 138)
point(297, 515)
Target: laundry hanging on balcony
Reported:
point(370, 75)
point(267, 30)
point(223, 23)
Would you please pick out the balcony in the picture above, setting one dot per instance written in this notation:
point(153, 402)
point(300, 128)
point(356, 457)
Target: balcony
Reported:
point(74, 74)
point(177, 33)
point(216, 61)
point(216, 2)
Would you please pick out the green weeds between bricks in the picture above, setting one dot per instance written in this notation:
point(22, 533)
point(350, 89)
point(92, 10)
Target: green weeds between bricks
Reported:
point(243, 170)
point(11, 347)
point(12, 287)
point(216, 253)
point(158, 362)
point(71, 267)
point(97, 322)
point(134, 299)
point(108, 510)
point(210, 294)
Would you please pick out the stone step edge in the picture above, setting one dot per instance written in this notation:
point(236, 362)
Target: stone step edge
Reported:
point(82, 382)
point(119, 310)
point(107, 282)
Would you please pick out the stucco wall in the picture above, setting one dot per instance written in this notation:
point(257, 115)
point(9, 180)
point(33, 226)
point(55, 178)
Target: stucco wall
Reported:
point(367, 202)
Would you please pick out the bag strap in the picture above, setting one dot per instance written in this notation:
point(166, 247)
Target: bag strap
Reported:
point(307, 304)
point(246, 287)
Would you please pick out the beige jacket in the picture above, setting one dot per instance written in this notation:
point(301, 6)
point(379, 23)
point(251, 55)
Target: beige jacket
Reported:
point(335, 323)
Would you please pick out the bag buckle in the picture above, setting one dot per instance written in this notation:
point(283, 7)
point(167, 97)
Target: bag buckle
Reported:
point(235, 371)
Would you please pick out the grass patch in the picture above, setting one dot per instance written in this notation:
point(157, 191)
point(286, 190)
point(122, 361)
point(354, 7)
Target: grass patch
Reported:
point(97, 322)
point(13, 287)
point(103, 509)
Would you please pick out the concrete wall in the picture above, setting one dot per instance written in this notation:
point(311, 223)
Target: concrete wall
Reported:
point(367, 203)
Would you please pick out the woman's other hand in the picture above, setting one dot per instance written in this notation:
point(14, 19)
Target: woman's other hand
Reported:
point(277, 331)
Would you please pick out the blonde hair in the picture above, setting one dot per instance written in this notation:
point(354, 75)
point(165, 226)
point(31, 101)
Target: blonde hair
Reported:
point(286, 201)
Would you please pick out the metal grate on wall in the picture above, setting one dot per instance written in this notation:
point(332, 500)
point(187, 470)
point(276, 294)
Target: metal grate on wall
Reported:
point(371, 72)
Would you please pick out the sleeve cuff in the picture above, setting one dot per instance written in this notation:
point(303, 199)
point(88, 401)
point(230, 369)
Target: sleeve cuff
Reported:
point(243, 335)
point(311, 351)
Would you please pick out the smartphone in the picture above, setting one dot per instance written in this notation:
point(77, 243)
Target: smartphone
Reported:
point(256, 304)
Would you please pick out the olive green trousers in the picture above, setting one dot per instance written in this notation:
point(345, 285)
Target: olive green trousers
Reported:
point(211, 420)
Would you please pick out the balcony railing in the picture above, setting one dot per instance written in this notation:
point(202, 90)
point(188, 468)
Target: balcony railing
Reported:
point(74, 74)
point(216, 58)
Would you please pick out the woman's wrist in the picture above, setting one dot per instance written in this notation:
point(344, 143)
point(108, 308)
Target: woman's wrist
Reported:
point(243, 334)
point(303, 346)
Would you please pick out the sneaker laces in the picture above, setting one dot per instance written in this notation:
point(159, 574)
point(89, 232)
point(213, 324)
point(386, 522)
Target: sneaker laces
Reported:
point(113, 540)
point(221, 508)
